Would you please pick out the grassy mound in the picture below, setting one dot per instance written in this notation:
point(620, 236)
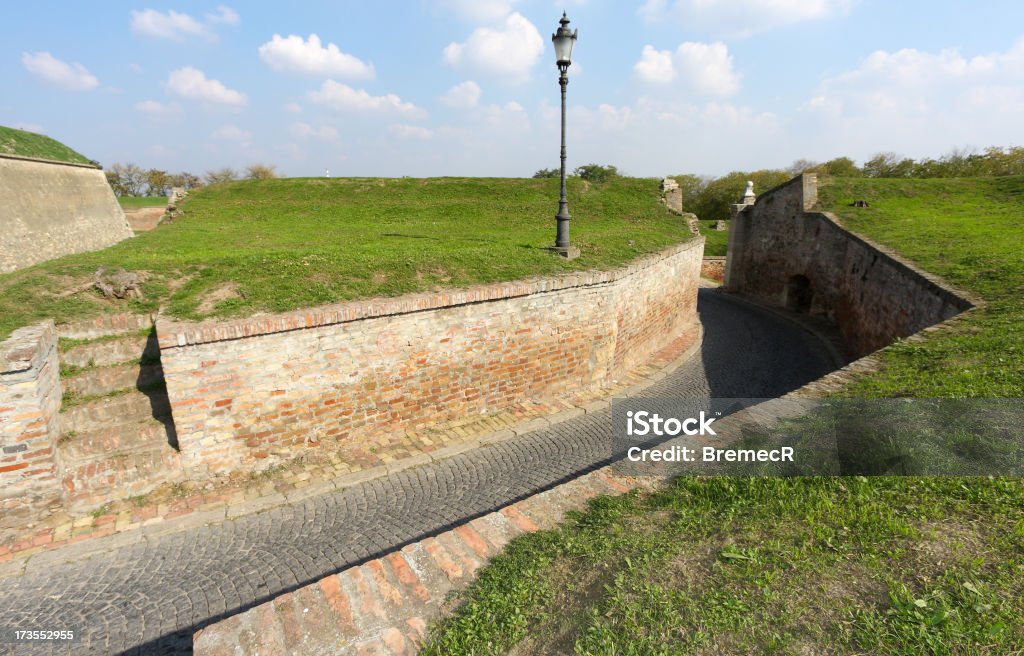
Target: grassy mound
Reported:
point(277, 245)
point(135, 202)
point(30, 144)
point(846, 565)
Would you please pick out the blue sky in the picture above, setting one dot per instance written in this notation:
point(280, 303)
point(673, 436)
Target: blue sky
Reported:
point(456, 87)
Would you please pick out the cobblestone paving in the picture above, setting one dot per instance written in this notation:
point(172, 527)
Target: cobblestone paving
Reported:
point(150, 597)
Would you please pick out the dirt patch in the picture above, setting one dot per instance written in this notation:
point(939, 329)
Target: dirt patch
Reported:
point(208, 301)
point(379, 278)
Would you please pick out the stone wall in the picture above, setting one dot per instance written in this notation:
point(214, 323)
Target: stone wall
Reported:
point(30, 397)
point(50, 209)
point(246, 394)
point(783, 252)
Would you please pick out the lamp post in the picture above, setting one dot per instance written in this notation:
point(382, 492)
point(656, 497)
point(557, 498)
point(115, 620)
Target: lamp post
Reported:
point(563, 40)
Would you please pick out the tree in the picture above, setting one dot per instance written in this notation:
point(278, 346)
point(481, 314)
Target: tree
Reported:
point(158, 182)
point(130, 179)
point(226, 174)
point(801, 166)
point(841, 167)
point(186, 180)
point(888, 165)
point(548, 173)
point(596, 172)
point(690, 185)
point(714, 200)
point(260, 172)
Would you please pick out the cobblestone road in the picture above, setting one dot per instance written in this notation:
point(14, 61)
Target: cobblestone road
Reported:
point(150, 597)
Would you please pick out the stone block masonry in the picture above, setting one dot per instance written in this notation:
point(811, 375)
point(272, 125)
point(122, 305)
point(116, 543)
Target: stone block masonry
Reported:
point(784, 253)
point(49, 209)
point(30, 397)
point(355, 378)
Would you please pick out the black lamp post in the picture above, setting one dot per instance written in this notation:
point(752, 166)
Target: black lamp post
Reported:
point(564, 40)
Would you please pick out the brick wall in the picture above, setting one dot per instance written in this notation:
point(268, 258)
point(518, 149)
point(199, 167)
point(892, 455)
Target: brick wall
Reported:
point(246, 394)
point(49, 209)
point(29, 414)
point(783, 252)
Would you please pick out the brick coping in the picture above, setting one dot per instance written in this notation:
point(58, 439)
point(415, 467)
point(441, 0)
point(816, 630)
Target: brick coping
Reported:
point(90, 534)
point(174, 334)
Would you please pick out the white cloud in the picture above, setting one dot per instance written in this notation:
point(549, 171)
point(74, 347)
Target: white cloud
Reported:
point(410, 132)
point(193, 84)
point(172, 25)
point(481, 11)
point(293, 108)
point(705, 68)
point(232, 133)
point(655, 66)
point(307, 131)
point(902, 100)
point(295, 54)
point(155, 108)
point(464, 95)
point(509, 51)
point(135, 68)
point(72, 77)
point(343, 98)
point(225, 15)
point(741, 17)
point(177, 26)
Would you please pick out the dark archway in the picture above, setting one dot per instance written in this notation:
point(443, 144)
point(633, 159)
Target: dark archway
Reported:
point(799, 294)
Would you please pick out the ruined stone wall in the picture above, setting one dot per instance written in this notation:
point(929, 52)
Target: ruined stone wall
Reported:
point(358, 376)
point(30, 397)
point(50, 209)
point(783, 252)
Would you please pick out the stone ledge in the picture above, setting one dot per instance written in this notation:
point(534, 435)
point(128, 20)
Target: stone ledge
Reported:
point(27, 348)
point(174, 334)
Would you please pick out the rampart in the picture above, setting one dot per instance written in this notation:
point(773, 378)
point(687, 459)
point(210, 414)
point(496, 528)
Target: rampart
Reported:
point(358, 376)
point(49, 209)
point(785, 253)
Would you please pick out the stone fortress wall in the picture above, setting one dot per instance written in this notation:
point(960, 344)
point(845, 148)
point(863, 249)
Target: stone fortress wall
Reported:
point(49, 209)
point(359, 376)
point(346, 379)
point(785, 253)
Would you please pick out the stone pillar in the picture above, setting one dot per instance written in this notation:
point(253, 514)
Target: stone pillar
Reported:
point(672, 195)
point(30, 398)
point(738, 220)
point(746, 201)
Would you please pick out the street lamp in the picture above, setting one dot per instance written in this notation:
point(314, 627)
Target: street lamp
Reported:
point(563, 40)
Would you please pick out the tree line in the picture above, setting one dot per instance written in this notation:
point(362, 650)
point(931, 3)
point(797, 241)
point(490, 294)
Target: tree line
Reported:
point(133, 180)
point(710, 198)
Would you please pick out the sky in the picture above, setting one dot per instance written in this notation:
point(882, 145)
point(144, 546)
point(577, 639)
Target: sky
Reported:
point(470, 88)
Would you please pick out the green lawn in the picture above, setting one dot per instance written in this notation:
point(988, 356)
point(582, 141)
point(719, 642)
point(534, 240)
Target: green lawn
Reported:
point(133, 202)
point(800, 565)
point(717, 240)
point(30, 144)
point(277, 245)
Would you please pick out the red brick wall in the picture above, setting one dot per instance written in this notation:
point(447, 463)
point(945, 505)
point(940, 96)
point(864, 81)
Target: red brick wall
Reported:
point(248, 393)
point(29, 414)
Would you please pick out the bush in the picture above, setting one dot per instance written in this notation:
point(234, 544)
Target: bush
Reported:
point(596, 172)
point(548, 173)
point(260, 172)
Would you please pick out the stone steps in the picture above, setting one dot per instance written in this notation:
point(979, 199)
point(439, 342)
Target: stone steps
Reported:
point(130, 408)
point(116, 439)
point(93, 482)
point(107, 351)
point(113, 378)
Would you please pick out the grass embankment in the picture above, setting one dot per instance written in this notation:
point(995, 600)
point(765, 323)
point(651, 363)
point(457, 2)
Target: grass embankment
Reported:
point(846, 565)
point(717, 241)
point(30, 144)
point(278, 245)
point(135, 202)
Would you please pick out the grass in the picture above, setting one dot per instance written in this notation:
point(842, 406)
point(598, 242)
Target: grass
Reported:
point(970, 232)
point(717, 241)
point(29, 144)
point(761, 565)
point(278, 245)
point(795, 565)
point(135, 202)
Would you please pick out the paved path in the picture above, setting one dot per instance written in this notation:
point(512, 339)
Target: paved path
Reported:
point(150, 597)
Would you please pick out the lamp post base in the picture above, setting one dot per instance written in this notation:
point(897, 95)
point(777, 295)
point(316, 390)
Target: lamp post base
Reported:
point(568, 252)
